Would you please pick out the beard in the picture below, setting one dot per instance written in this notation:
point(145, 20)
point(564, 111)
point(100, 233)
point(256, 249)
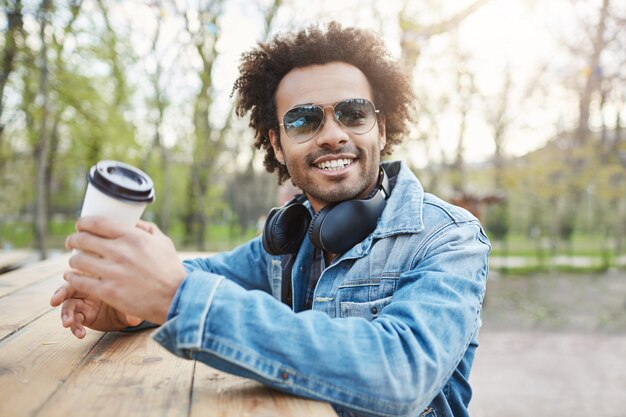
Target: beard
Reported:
point(342, 189)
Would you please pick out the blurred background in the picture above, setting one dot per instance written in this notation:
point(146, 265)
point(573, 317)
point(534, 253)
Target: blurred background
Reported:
point(520, 115)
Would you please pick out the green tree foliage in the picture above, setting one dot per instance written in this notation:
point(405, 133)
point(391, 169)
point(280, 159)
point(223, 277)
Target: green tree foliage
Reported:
point(97, 83)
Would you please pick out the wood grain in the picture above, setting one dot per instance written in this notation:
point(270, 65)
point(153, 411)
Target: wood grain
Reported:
point(15, 258)
point(126, 374)
point(26, 304)
point(35, 361)
point(45, 371)
point(227, 395)
point(30, 274)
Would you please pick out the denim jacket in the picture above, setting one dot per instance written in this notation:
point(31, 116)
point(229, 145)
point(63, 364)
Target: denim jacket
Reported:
point(394, 324)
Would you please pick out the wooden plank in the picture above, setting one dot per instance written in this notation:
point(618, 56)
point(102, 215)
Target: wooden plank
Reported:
point(12, 281)
point(126, 374)
point(35, 361)
point(14, 258)
point(229, 396)
point(26, 304)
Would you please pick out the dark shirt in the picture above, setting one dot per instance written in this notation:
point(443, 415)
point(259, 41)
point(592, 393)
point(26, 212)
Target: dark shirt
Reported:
point(316, 271)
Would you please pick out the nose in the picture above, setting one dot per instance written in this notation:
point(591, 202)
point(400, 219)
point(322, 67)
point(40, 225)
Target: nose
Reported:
point(331, 134)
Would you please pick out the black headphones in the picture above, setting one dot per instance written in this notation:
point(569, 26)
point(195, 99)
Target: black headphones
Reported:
point(335, 228)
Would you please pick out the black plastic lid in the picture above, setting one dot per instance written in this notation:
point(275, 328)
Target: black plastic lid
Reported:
point(122, 181)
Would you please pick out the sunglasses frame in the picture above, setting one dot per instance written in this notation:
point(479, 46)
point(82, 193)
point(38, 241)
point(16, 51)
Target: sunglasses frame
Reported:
point(323, 107)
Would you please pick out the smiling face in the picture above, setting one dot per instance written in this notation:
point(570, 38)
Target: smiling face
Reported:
point(335, 164)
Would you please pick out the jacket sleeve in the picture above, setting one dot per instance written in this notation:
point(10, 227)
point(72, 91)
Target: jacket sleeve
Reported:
point(393, 365)
point(247, 265)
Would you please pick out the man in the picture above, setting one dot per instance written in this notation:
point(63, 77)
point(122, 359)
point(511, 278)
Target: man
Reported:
point(380, 319)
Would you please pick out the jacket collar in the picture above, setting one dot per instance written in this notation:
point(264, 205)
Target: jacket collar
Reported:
point(403, 212)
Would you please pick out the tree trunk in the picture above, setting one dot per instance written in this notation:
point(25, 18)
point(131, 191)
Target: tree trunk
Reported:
point(208, 142)
point(15, 26)
point(160, 104)
point(51, 161)
point(42, 146)
point(593, 75)
point(165, 213)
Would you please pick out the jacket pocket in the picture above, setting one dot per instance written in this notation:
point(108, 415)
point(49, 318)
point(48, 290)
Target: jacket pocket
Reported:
point(369, 310)
point(276, 278)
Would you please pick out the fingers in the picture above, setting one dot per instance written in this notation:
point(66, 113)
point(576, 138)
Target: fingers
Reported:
point(95, 234)
point(63, 293)
point(72, 317)
point(85, 263)
point(148, 227)
point(77, 327)
point(104, 237)
point(101, 226)
point(84, 284)
point(132, 320)
point(70, 311)
point(86, 242)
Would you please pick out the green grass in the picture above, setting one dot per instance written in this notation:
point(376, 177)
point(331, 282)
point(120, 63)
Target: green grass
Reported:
point(218, 238)
point(17, 235)
point(222, 237)
point(543, 268)
point(581, 245)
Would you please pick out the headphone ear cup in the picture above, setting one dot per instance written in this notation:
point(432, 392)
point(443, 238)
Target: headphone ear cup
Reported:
point(285, 229)
point(315, 228)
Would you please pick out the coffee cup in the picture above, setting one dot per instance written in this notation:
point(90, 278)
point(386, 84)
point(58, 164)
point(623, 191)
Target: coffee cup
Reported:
point(118, 191)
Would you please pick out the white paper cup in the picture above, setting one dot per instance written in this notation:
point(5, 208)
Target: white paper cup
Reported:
point(118, 191)
point(98, 203)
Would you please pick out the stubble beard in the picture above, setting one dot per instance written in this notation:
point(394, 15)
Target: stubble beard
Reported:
point(343, 190)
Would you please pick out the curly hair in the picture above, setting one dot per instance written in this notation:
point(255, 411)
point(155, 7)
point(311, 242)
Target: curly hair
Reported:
point(262, 69)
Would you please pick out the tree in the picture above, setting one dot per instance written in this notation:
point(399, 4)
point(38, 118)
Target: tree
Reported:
point(415, 34)
point(13, 37)
point(592, 50)
point(42, 144)
point(466, 94)
point(497, 115)
point(208, 140)
point(158, 104)
point(204, 33)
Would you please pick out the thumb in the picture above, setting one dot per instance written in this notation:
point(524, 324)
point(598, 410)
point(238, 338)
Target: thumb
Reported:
point(132, 320)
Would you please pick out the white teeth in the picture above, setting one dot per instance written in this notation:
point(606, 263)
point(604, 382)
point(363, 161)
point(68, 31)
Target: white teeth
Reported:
point(334, 164)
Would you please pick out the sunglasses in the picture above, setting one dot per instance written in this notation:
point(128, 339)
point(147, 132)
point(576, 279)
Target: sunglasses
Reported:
point(302, 122)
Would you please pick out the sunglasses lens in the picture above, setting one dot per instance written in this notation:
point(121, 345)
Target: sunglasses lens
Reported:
point(357, 115)
point(302, 122)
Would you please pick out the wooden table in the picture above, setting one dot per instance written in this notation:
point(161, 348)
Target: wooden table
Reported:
point(45, 371)
point(14, 258)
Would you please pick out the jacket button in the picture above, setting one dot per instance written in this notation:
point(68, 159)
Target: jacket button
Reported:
point(374, 310)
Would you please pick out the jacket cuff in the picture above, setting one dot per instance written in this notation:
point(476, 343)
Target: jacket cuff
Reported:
point(188, 313)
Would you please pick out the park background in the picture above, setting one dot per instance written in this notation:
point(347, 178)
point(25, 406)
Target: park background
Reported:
point(519, 118)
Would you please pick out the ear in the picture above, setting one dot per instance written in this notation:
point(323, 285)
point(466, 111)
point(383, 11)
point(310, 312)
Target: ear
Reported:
point(382, 131)
point(275, 141)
